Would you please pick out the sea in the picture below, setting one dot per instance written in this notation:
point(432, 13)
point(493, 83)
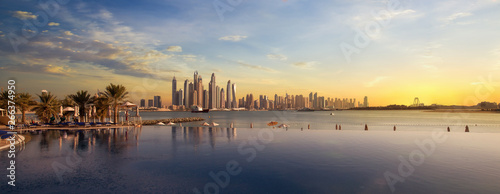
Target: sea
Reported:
point(373, 152)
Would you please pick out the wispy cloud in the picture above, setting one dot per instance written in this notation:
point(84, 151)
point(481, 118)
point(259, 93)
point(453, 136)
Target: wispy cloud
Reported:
point(23, 15)
point(306, 65)
point(235, 38)
point(53, 24)
point(375, 81)
point(174, 49)
point(277, 57)
point(257, 67)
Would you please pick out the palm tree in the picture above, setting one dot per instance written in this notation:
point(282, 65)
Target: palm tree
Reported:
point(82, 99)
point(23, 102)
point(4, 99)
point(116, 94)
point(102, 107)
point(47, 106)
point(67, 102)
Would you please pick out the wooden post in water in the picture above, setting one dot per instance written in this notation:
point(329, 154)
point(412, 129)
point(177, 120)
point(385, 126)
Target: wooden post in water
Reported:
point(366, 127)
point(466, 128)
point(251, 125)
point(336, 127)
point(394, 127)
point(340, 127)
point(308, 126)
point(448, 129)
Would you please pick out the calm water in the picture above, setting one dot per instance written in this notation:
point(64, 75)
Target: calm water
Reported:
point(265, 160)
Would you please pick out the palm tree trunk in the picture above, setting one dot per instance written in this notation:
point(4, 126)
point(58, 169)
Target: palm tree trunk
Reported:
point(23, 118)
point(116, 113)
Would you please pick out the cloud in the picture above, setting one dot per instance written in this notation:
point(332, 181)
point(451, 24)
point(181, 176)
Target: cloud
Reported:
point(430, 68)
point(375, 81)
point(257, 67)
point(53, 24)
point(305, 65)
point(235, 38)
point(458, 15)
point(68, 33)
point(174, 49)
point(23, 15)
point(277, 57)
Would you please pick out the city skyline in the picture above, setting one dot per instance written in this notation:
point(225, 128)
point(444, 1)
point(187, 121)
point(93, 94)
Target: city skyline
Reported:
point(441, 52)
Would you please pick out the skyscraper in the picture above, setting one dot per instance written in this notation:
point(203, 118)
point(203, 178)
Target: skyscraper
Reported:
point(157, 102)
point(217, 94)
point(222, 101)
point(365, 102)
point(143, 103)
point(186, 93)
point(174, 90)
point(150, 103)
point(212, 93)
point(228, 100)
point(180, 97)
point(200, 91)
point(234, 105)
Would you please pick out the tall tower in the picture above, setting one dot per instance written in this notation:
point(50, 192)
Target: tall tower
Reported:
point(235, 103)
point(180, 97)
point(222, 101)
point(174, 90)
point(212, 93)
point(186, 93)
point(200, 91)
point(228, 100)
point(195, 80)
point(217, 94)
point(365, 102)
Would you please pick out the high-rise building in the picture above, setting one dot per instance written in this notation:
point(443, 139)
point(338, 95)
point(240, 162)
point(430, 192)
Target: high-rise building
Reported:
point(180, 97)
point(157, 102)
point(235, 105)
point(174, 91)
point(315, 100)
point(150, 103)
point(228, 99)
point(212, 93)
point(186, 93)
point(222, 101)
point(200, 91)
point(365, 101)
point(195, 80)
point(195, 99)
point(205, 99)
point(217, 94)
point(191, 95)
point(143, 103)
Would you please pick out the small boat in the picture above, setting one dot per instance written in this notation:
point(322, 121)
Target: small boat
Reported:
point(283, 125)
point(332, 114)
point(305, 109)
point(160, 123)
point(205, 124)
point(197, 109)
point(170, 123)
point(272, 123)
point(214, 124)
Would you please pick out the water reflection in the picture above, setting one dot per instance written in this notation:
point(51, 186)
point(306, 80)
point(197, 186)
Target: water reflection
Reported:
point(196, 135)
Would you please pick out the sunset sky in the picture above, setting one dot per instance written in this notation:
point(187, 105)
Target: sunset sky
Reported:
point(445, 52)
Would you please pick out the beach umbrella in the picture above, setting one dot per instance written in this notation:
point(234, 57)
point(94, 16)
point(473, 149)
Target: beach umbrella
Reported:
point(68, 109)
point(272, 123)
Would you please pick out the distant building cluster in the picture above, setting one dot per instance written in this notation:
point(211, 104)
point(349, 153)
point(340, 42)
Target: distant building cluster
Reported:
point(215, 97)
point(194, 94)
point(313, 101)
point(152, 103)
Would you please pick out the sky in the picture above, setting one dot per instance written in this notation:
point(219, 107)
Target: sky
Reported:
point(444, 52)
